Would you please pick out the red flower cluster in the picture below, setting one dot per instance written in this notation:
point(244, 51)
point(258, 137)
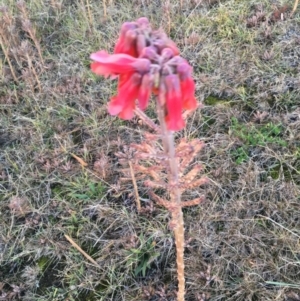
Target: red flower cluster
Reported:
point(147, 61)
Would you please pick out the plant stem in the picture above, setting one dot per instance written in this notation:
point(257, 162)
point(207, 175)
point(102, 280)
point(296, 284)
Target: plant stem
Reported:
point(179, 241)
point(137, 197)
point(177, 223)
point(294, 8)
point(146, 119)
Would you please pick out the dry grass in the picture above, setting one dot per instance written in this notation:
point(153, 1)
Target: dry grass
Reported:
point(242, 243)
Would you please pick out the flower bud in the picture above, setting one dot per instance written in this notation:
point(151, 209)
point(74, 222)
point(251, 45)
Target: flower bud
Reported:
point(159, 44)
point(142, 21)
point(129, 45)
point(167, 53)
point(126, 41)
point(130, 36)
point(184, 70)
point(149, 53)
point(142, 65)
point(172, 83)
point(170, 44)
point(127, 26)
point(140, 43)
point(165, 42)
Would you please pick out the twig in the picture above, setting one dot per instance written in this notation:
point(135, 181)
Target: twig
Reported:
point(104, 8)
point(137, 198)
point(82, 162)
point(90, 15)
point(74, 244)
point(294, 8)
point(271, 220)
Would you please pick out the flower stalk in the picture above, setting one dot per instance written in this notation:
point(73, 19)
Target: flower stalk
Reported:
point(175, 199)
point(147, 62)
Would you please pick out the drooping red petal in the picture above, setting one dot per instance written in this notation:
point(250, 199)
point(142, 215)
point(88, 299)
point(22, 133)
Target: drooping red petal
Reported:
point(188, 94)
point(115, 106)
point(119, 48)
point(174, 124)
point(106, 64)
point(123, 78)
point(124, 103)
point(174, 105)
point(128, 111)
point(145, 91)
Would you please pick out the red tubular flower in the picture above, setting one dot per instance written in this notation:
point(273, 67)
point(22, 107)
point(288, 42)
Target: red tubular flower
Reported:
point(127, 41)
point(117, 64)
point(106, 64)
point(174, 104)
point(172, 45)
point(167, 54)
point(165, 42)
point(147, 61)
point(187, 86)
point(188, 94)
point(124, 103)
point(123, 78)
point(130, 71)
point(149, 53)
point(145, 91)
